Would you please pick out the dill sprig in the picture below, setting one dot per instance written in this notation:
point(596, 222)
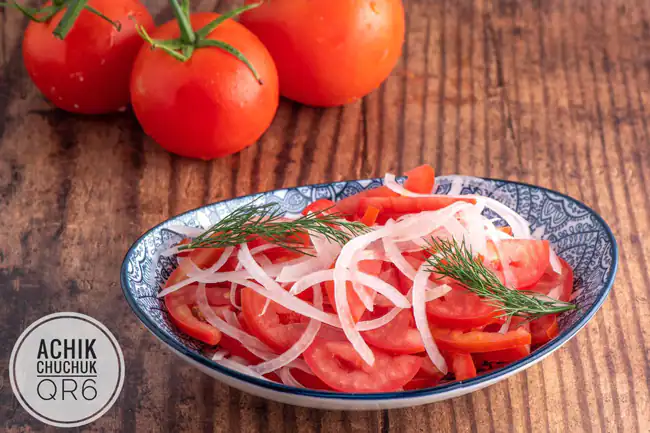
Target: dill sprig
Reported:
point(266, 221)
point(452, 259)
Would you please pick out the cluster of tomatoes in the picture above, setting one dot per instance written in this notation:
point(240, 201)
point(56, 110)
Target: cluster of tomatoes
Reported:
point(210, 94)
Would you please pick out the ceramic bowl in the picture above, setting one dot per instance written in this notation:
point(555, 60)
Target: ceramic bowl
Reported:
point(578, 234)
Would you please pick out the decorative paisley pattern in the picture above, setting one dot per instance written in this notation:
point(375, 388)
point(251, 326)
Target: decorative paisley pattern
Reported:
point(577, 234)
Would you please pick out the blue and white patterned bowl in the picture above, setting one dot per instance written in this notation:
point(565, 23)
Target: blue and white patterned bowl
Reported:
point(577, 233)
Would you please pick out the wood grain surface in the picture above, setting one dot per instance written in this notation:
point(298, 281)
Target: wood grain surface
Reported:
point(550, 92)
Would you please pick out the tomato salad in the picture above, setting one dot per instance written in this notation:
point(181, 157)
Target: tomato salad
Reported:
point(391, 289)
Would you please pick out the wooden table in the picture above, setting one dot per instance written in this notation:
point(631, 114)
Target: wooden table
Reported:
point(553, 93)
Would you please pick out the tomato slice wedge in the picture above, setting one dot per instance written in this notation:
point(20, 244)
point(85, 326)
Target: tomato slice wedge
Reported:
point(462, 365)
point(338, 365)
point(553, 282)
point(479, 341)
point(499, 356)
point(180, 313)
point(461, 309)
point(544, 329)
point(421, 179)
point(278, 327)
point(320, 205)
point(399, 336)
point(527, 259)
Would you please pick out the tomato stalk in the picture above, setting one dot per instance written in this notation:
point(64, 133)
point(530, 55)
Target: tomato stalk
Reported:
point(73, 9)
point(183, 48)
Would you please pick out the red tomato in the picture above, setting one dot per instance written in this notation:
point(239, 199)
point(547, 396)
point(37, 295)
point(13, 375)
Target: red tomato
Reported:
point(278, 327)
point(212, 105)
point(392, 276)
point(319, 206)
point(479, 341)
point(372, 267)
point(462, 365)
point(397, 336)
point(235, 348)
point(309, 380)
point(350, 205)
point(506, 355)
point(419, 382)
point(527, 259)
point(338, 365)
point(181, 315)
point(89, 71)
point(550, 281)
point(421, 179)
point(330, 52)
point(461, 309)
point(544, 329)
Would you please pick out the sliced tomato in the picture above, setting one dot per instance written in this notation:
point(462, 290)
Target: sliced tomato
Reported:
point(277, 327)
point(310, 381)
point(462, 365)
point(320, 205)
point(506, 355)
point(506, 229)
point(428, 369)
point(421, 383)
point(338, 365)
point(350, 205)
point(371, 267)
point(527, 259)
point(181, 315)
point(370, 217)
point(421, 179)
point(544, 329)
point(479, 341)
point(552, 282)
point(394, 207)
point(391, 275)
point(461, 309)
point(398, 336)
point(235, 348)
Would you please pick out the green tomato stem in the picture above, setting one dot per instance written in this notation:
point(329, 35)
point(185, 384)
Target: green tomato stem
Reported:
point(71, 14)
point(202, 43)
point(205, 31)
point(116, 24)
point(184, 24)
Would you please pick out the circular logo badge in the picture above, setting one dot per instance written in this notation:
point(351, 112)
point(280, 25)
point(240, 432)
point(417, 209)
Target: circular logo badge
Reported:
point(66, 369)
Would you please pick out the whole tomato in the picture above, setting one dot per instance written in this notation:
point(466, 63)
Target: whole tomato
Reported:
point(89, 70)
point(330, 52)
point(210, 105)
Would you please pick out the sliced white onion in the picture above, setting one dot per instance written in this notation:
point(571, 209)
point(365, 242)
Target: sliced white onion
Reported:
point(197, 274)
point(382, 287)
point(234, 363)
point(262, 248)
point(311, 280)
point(223, 326)
point(554, 261)
point(305, 340)
point(395, 256)
point(369, 325)
point(220, 354)
point(421, 321)
point(366, 297)
point(506, 326)
point(293, 303)
point(287, 378)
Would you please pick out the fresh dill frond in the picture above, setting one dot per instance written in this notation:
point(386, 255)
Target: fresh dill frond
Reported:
point(266, 221)
point(455, 260)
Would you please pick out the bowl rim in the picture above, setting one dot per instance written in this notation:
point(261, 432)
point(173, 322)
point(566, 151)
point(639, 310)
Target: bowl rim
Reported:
point(484, 379)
